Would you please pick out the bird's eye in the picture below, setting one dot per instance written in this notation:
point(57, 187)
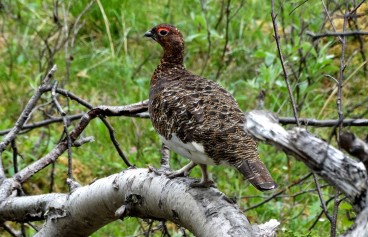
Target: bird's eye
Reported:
point(163, 32)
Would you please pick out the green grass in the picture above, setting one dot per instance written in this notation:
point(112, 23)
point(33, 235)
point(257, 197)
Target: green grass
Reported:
point(113, 67)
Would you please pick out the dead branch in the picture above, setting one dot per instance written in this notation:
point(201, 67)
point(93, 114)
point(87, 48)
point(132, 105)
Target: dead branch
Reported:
point(27, 110)
point(38, 165)
point(281, 57)
point(324, 123)
point(346, 174)
point(334, 34)
point(355, 147)
point(43, 123)
point(140, 110)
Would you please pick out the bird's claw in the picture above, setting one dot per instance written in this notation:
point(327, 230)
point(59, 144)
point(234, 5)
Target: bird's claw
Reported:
point(174, 174)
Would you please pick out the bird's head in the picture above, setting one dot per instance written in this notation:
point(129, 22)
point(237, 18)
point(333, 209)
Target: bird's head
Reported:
point(170, 38)
point(165, 35)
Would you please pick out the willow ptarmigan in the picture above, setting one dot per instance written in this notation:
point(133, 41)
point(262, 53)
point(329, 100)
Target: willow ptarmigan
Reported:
point(197, 118)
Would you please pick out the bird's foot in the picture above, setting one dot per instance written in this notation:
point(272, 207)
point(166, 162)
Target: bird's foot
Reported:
point(176, 173)
point(203, 184)
point(183, 172)
point(159, 171)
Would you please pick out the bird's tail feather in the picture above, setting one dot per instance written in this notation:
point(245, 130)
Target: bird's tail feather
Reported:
point(257, 174)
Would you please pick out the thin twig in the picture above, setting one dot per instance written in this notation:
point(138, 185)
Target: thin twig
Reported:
point(325, 122)
point(227, 23)
point(278, 193)
point(165, 231)
point(10, 230)
point(341, 73)
point(329, 18)
point(66, 45)
point(65, 125)
point(335, 34)
point(209, 43)
point(43, 123)
point(237, 10)
point(25, 113)
point(299, 5)
point(15, 155)
point(323, 204)
point(320, 214)
point(142, 108)
point(148, 232)
point(334, 215)
point(356, 8)
point(55, 101)
point(277, 38)
point(61, 147)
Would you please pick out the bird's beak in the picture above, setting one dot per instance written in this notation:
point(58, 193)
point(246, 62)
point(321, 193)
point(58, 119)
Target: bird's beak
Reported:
point(150, 35)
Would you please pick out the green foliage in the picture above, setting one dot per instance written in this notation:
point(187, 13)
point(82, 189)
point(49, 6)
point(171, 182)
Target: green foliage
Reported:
point(111, 63)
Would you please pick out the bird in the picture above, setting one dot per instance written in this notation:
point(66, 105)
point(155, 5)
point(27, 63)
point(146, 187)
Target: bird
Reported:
point(198, 119)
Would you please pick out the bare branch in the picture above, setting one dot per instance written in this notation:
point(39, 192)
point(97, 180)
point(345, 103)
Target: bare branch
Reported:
point(277, 38)
point(209, 43)
point(341, 73)
point(320, 195)
point(329, 18)
point(346, 174)
point(38, 165)
point(25, 113)
point(327, 34)
point(132, 193)
point(275, 195)
point(225, 48)
point(43, 123)
point(324, 123)
point(140, 109)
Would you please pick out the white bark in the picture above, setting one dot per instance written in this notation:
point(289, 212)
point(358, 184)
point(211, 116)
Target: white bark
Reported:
point(360, 228)
point(133, 192)
point(346, 174)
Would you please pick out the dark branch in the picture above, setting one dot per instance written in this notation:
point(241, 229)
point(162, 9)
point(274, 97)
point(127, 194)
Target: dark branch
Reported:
point(43, 123)
point(327, 34)
point(140, 109)
point(324, 123)
point(26, 112)
point(281, 57)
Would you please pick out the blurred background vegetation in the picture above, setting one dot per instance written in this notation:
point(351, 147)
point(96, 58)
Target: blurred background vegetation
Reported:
point(102, 57)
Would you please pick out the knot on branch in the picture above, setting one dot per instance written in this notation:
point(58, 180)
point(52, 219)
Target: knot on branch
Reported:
point(55, 213)
point(130, 204)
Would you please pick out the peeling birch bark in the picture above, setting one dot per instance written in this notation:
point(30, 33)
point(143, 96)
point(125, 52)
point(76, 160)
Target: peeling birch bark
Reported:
point(137, 193)
point(341, 171)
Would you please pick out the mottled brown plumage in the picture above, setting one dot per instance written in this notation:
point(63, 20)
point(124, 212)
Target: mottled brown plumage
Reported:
point(199, 119)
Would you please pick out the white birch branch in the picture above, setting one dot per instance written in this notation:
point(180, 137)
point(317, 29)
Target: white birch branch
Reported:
point(138, 193)
point(346, 174)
